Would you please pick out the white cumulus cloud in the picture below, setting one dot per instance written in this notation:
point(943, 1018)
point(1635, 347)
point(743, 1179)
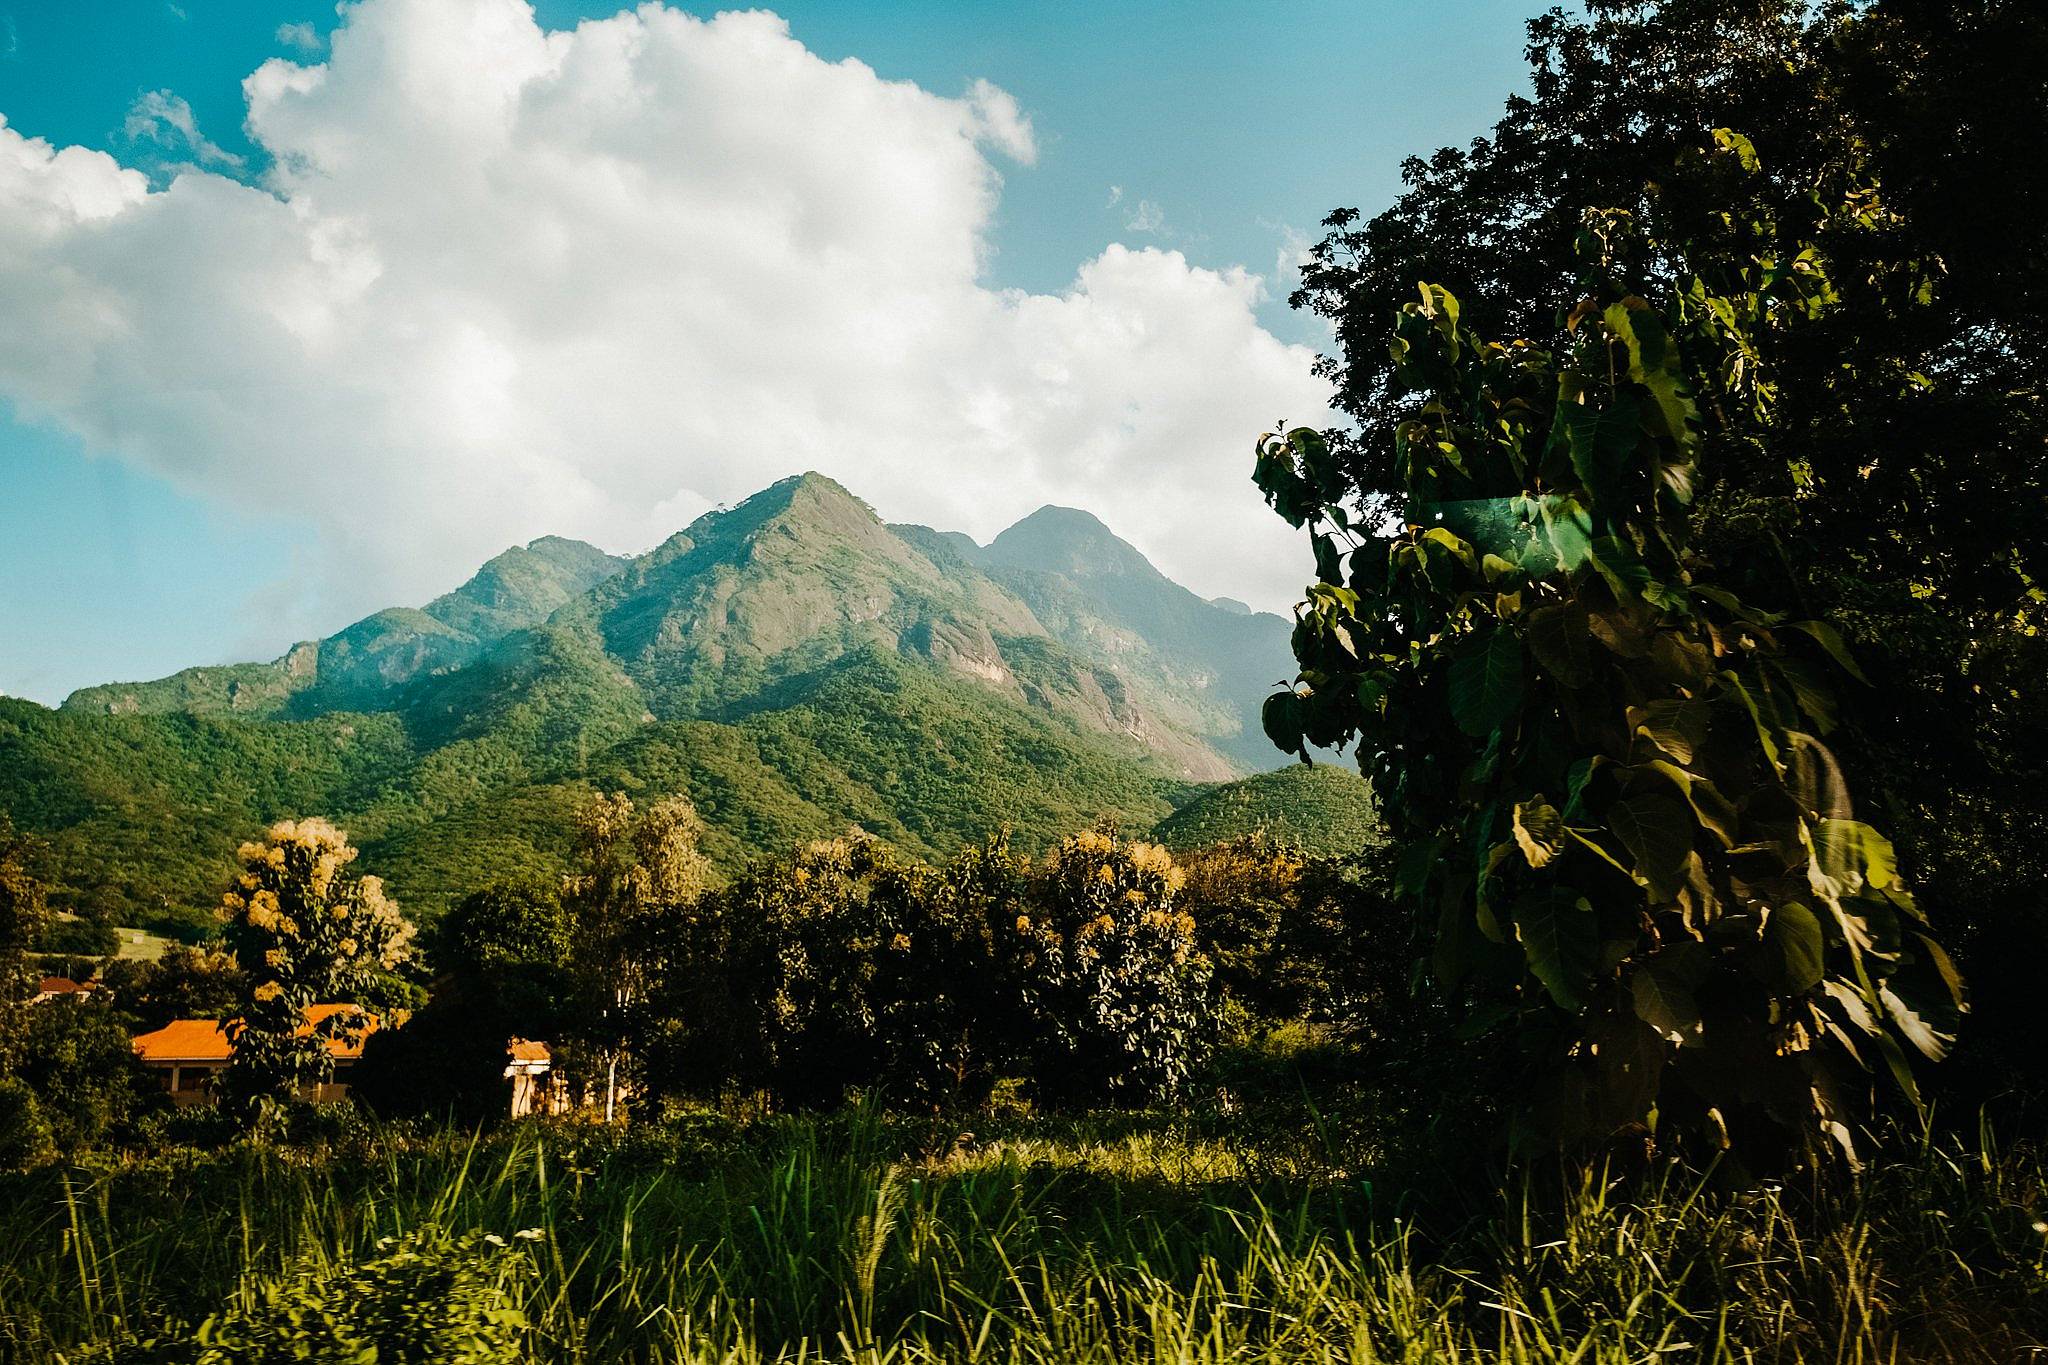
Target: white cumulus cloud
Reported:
point(501, 281)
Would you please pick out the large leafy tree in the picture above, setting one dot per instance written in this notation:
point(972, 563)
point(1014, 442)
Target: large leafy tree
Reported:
point(1893, 482)
point(631, 868)
point(304, 931)
point(1609, 765)
point(500, 973)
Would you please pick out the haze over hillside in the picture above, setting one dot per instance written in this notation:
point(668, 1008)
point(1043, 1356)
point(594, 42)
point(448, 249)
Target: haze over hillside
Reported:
point(793, 664)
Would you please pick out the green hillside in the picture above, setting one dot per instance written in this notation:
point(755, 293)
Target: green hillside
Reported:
point(1326, 810)
point(793, 665)
point(359, 667)
point(1204, 668)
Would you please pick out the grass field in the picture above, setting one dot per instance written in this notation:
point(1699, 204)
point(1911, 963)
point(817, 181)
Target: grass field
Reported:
point(1269, 1234)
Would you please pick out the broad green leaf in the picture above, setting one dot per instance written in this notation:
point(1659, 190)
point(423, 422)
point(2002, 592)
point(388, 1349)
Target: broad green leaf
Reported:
point(1931, 1042)
point(1486, 681)
point(1592, 845)
point(1562, 641)
point(1621, 630)
point(1812, 695)
point(1568, 526)
point(1659, 833)
point(1538, 831)
point(1902, 1071)
point(1831, 640)
point(1679, 728)
point(1714, 810)
point(1601, 441)
point(1665, 1003)
point(1944, 967)
point(1561, 940)
point(1653, 362)
point(1450, 541)
point(1791, 958)
point(1852, 855)
point(1576, 779)
point(1283, 721)
point(1418, 862)
point(1851, 1003)
point(1621, 566)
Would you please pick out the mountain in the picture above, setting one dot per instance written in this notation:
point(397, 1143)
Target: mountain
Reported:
point(1200, 667)
point(360, 667)
point(792, 664)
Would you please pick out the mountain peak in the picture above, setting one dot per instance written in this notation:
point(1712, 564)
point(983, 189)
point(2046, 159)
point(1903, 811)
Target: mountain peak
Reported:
point(1068, 540)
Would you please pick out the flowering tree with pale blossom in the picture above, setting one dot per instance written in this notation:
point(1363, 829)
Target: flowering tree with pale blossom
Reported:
point(305, 932)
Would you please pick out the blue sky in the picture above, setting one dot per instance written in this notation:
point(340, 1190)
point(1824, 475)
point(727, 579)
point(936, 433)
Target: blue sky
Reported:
point(1213, 130)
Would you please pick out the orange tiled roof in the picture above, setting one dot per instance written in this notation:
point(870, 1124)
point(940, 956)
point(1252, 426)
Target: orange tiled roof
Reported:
point(61, 985)
point(523, 1051)
point(206, 1040)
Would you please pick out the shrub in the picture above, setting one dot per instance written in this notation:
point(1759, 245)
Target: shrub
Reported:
point(841, 967)
point(79, 1061)
point(26, 1139)
point(424, 1299)
point(1102, 958)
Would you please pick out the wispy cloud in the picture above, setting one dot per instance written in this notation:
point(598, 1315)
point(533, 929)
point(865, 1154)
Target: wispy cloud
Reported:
point(1146, 217)
point(304, 37)
point(166, 119)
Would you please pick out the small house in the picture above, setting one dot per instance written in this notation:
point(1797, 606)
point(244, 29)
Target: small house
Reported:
point(186, 1054)
point(529, 1066)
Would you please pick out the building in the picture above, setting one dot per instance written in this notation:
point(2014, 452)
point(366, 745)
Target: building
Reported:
point(186, 1054)
point(63, 988)
point(529, 1066)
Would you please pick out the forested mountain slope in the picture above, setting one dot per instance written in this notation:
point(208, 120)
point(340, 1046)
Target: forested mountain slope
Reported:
point(792, 664)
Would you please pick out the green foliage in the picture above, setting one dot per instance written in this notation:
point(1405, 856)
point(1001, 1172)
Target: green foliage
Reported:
point(846, 968)
point(1324, 810)
point(839, 968)
point(68, 1077)
point(501, 972)
point(24, 916)
point(184, 983)
point(1893, 484)
point(142, 814)
point(1104, 960)
point(304, 932)
point(141, 811)
point(1626, 824)
point(503, 927)
point(27, 1139)
point(77, 1075)
point(793, 666)
point(630, 866)
point(75, 937)
point(1294, 938)
point(427, 1298)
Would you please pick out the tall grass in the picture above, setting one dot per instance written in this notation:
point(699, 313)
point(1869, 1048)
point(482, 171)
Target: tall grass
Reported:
point(857, 1239)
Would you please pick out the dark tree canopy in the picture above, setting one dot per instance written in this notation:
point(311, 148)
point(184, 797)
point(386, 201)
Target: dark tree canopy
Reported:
point(1896, 482)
